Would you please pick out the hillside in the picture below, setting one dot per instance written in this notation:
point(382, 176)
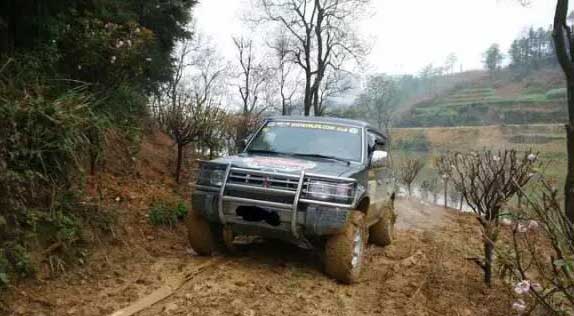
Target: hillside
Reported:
point(506, 98)
point(548, 139)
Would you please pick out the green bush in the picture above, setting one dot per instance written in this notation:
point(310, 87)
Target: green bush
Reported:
point(554, 94)
point(164, 213)
point(70, 71)
point(18, 259)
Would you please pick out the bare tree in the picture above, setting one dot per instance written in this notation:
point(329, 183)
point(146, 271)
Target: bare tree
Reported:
point(408, 172)
point(335, 84)
point(445, 172)
point(288, 85)
point(564, 46)
point(379, 100)
point(430, 186)
point(322, 33)
point(172, 109)
point(487, 181)
point(255, 77)
point(183, 105)
point(210, 132)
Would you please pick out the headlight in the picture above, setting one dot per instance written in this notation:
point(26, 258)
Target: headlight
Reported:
point(330, 191)
point(211, 175)
point(216, 177)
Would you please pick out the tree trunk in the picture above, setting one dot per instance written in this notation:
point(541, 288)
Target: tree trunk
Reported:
point(461, 201)
point(490, 237)
point(409, 188)
point(316, 109)
point(569, 185)
point(179, 162)
point(563, 48)
point(308, 97)
point(445, 194)
point(488, 252)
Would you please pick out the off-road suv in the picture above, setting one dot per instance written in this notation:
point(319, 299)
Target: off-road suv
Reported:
point(303, 180)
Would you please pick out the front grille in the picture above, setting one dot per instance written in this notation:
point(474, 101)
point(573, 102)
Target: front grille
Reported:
point(267, 182)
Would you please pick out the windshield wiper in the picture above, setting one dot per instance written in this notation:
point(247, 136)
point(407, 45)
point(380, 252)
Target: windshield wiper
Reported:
point(348, 162)
point(263, 151)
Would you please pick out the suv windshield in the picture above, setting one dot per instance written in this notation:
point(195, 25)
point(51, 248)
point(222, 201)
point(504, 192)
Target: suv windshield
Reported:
point(313, 139)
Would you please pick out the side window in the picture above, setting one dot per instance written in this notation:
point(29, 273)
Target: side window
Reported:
point(376, 142)
point(371, 142)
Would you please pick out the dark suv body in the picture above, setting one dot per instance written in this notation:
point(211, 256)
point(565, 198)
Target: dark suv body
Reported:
point(302, 180)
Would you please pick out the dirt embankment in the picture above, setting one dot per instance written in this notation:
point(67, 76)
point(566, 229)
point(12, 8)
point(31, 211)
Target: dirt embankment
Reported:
point(423, 273)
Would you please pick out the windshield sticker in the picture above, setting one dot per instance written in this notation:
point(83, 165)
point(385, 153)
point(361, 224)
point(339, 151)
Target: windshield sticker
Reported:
point(278, 163)
point(328, 127)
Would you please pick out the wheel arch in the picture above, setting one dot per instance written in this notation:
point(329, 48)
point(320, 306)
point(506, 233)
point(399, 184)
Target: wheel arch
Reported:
point(364, 204)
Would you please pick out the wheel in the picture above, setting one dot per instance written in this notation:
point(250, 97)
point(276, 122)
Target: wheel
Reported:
point(383, 232)
point(344, 252)
point(205, 238)
point(200, 234)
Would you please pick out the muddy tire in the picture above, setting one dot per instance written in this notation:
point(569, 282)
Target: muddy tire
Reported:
point(344, 252)
point(383, 232)
point(200, 234)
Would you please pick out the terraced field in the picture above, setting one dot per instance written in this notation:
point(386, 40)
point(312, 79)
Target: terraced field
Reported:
point(548, 139)
point(486, 101)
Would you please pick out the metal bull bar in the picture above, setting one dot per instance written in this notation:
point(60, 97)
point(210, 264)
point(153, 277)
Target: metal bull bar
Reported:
point(301, 180)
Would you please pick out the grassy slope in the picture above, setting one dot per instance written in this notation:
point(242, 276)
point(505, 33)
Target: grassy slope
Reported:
point(480, 99)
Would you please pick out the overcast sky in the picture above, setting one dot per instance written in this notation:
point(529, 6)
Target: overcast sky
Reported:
point(409, 34)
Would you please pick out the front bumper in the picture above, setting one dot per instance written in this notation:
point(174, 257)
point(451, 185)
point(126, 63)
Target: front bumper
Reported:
point(299, 218)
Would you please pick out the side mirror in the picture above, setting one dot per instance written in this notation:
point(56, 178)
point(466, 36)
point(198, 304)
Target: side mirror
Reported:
point(378, 158)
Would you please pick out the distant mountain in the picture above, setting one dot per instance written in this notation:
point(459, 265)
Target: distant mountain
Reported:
point(476, 98)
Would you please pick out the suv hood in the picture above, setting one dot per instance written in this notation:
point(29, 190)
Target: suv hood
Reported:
point(285, 164)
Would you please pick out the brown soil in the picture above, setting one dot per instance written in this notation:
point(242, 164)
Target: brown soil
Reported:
point(424, 271)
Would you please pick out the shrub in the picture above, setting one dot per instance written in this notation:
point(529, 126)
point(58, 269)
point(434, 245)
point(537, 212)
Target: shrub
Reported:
point(408, 171)
point(167, 213)
point(554, 94)
point(488, 180)
point(17, 257)
point(542, 253)
point(47, 138)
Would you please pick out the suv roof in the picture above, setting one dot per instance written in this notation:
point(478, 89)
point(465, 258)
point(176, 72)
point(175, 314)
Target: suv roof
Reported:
point(315, 119)
point(333, 120)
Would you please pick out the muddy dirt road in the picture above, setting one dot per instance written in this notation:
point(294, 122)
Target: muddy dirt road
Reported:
point(423, 273)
